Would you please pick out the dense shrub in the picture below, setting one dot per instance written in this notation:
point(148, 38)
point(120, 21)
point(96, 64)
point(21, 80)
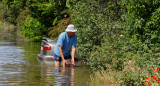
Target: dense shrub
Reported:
point(60, 27)
point(120, 35)
point(10, 10)
point(46, 11)
point(92, 23)
point(131, 58)
point(142, 19)
point(33, 29)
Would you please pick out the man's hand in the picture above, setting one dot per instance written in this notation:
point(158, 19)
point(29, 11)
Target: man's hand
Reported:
point(72, 62)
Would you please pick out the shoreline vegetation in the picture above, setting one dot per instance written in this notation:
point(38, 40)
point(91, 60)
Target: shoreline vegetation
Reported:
point(118, 39)
point(10, 32)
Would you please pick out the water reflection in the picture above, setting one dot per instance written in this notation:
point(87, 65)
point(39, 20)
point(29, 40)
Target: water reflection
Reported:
point(64, 76)
point(46, 73)
point(56, 76)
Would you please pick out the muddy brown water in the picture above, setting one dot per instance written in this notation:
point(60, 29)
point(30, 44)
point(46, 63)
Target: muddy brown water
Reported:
point(19, 66)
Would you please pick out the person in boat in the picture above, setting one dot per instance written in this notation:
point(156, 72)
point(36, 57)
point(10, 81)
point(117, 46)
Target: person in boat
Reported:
point(66, 47)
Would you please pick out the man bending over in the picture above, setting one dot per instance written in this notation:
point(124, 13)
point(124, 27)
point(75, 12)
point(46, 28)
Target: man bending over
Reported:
point(66, 41)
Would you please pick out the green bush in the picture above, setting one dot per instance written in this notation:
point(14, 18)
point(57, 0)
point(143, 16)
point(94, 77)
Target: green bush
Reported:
point(39, 12)
point(132, 60)
point(60, 27)
point(142, 19)
point(92, 23)
point(46, 11)
point(33, 29)
point(10, 10)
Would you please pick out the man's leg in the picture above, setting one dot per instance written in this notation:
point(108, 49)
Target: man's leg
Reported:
point(57, 63)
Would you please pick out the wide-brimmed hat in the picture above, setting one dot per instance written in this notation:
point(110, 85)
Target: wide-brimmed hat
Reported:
point(70, 28)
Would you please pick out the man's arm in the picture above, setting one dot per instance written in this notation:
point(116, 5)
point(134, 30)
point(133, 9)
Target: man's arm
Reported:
point(62, 56)
point(73, 55)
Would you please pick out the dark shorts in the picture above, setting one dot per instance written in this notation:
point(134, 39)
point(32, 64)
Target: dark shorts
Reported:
point(58, 58)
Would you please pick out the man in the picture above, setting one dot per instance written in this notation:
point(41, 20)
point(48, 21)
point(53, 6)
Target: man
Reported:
point(66, 41)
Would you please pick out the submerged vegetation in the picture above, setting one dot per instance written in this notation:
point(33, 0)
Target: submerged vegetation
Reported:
point(113, 35)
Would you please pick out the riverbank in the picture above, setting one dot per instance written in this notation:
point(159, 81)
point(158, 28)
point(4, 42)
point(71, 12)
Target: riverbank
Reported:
point(10, 32)
point(104, 78)
point(6, 25)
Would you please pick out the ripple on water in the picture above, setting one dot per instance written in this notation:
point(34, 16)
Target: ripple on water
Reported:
point(10, 54)
point(10, 57)
point(6, 43)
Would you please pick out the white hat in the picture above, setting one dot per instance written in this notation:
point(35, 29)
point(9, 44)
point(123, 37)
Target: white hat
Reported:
point(70, 28)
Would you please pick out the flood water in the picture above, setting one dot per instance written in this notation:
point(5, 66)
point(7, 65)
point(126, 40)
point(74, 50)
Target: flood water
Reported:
point(19, 66)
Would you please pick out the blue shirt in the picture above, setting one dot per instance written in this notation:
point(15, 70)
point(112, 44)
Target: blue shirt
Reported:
point(66, 43)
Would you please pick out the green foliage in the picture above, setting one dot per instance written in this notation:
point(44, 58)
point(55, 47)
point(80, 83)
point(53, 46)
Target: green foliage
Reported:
point(153, 26)
point(22, 17)
point(132, 60)
point(46, 11)
point(131, 78)
point(60, 27)
point(10, 10)
point(142, 19)
point(33, 29)
point(122, 36)
point(92, 24)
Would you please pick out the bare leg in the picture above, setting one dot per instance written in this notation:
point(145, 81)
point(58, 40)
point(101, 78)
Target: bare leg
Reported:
point(57, 63)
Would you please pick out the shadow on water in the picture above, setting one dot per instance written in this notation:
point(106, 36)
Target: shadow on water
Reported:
point(19, 65)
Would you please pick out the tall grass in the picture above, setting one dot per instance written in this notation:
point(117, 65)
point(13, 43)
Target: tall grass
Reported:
point(103, 78)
